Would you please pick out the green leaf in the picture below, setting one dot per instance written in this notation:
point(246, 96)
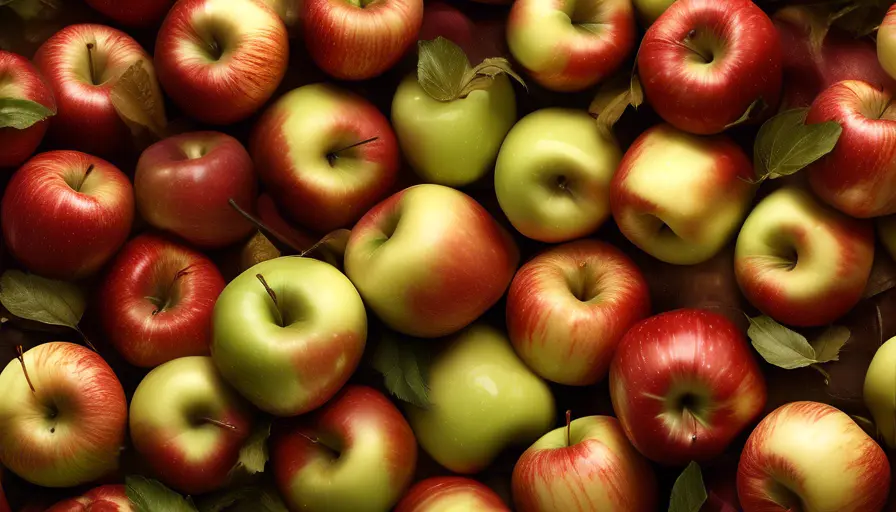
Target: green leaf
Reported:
point(483, 75)
point(258, 500)
point(43, 300)
point(688, 493)
point(637, 92)
point(828, 344)
point(442, 68)
point(785, 144)
point(225, 499)
point(404, 365)
point(32, 9)
point(138, 100)
point(21, 114)
point(752, 111)
point(779, 345)
point(254, 453)
point(612, 99)
point(152, 496)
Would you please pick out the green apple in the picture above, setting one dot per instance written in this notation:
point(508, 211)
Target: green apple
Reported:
point(649, 10)
point(451, 132)
point(880, 391)
point(553, 175)
point(483, 399)
point(288, 333)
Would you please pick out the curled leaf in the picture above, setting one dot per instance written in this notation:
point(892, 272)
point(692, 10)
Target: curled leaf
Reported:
point(254, 453)
point(21, 114)
point(442, 68)
point(138, 101)
point(752, 111)
point(612, 99)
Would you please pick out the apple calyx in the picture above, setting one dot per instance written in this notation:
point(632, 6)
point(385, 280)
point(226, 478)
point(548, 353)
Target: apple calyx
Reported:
point(20, 355)
point(785, 144)
point(332, 156)
point(273, 296)
point(445, 74)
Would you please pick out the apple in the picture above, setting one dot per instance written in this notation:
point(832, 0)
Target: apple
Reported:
point(680, 197)
point(63, 423)
point(82, 63)
point(133, 13)
point(356, 453)
point(683, 384)
point(479, 38)
point(450, 494)
point(570, 46)
point(81, 207)
point(21, 81)
point(704, 64)
point(4, 505)
point(183, 185)
point(483, 399)
point(586, 465)
point(290, 11)
point(553, 175)
point(156, 301)
point(886, 229)
point(568, 307)
point(106, 498)
point(360, 39)
point(880, 391)
point(269, 213)
point(326, 155)
point(812, 456)
point(800, 261)
point(429, 260)
point(859, 176)
point(221, 60)
point(886, 42)
point(189, 425)
point(649, 10)
point(288, 333)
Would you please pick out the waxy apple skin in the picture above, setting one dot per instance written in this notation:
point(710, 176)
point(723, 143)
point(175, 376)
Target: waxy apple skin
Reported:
point(133, 13)
point(374, 460)
point(157, 300)
point(649, 10)
point(106, 498)
point(596, 469)
point(569, 306)
point(81, 206)
point(700, 80)
point(19, 79)
point(859, 176)
point(886, 42)
point(189, 425)
point(294, 144)
point(221, 78)
point(815, 457)
point(68, 431)
point(450, 494)
point(800, 261)
point(429, 260)
point(683, 384)
point(880, 391)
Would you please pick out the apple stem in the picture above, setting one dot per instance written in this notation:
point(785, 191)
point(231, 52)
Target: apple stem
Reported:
point(86, 339)
point(568, 427)
point(221, 424)
point(332, 156)
point(21, 357)
point(273, 297)
point(280, 241)
point(824, 374)
point(161, 305)
point(84, 178)
point(90, 47)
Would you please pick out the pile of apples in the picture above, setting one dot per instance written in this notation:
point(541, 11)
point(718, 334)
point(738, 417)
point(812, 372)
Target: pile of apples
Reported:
point(373, 255)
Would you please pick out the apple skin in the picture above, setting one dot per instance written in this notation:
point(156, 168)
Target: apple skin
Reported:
point(697, 84)
point(429, 260)
point(598, 469)
point(133, 13)
point(680, 197)
point(683, 384)
point(812, 456)
point(183, 185)
point(157, 299)
point(252, 63)
point(886, 42)
point(70, 430)
point(287, 371)
point(800, 261)
point(450, 494)
point(553, 175)
point(106, 498)
point(360, 39)
point(568, 307)
point(357, 453)
point(19, 79)
point(649, 10)
point(483, 399)
point(189, 425)
point(546, 38)
point(479, 39)
point(82, 206)
point(859, 176)
point(456, 142)
point(293, 146)
point(269, 213)
point(86, 119)
point(880, 391)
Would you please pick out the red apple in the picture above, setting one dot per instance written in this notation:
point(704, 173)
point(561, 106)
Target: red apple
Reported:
point(20, 80)
point(221, 60)
point(157, 300)
point(82, 63)
point(356, 453)
point(859, 176)
point(450, 493)
point(326, 155)
point(64, 423)
point(269, 213)
point(360, 39)
point(568, 307)
point(65, 213)
point(479, 39)
point(134, 13)
point(106, 498)
point(704, 63)
point(183, 185)
point(684, 384)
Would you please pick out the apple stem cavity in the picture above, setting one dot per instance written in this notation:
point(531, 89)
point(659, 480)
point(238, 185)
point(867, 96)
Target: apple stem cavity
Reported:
point(20, 355)
point(164, 303)
point(332, 156)
point(568, 427)
point(280, 242)
point(80, 184)
point(90, 47)
point(273, 297)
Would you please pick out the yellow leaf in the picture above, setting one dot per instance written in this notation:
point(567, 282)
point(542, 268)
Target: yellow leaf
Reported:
point(138, 101)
